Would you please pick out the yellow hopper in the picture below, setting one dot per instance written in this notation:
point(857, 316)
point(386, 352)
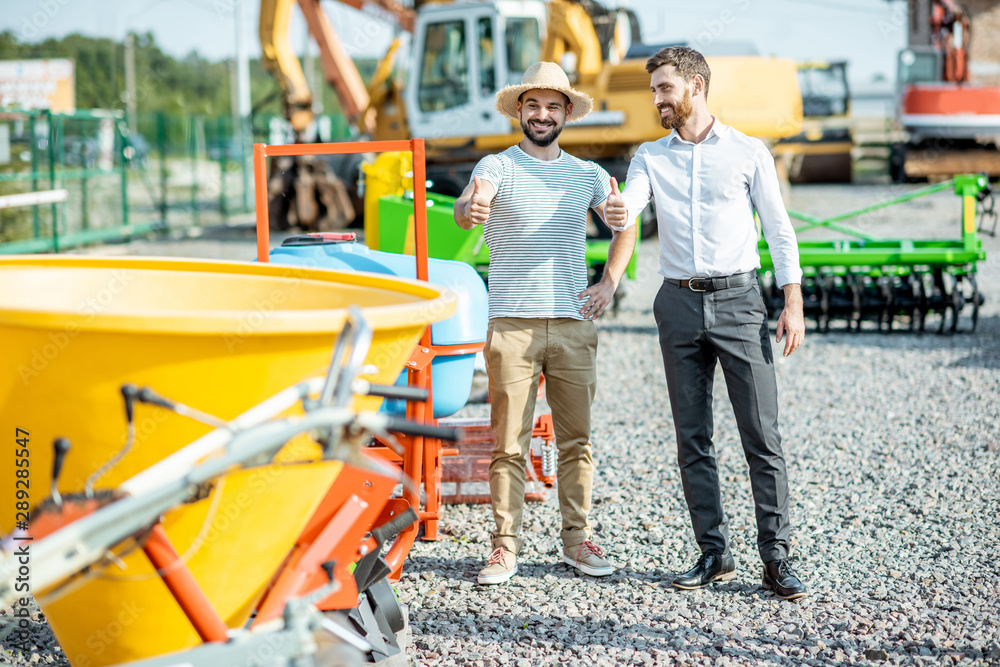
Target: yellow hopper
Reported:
point(217, 336)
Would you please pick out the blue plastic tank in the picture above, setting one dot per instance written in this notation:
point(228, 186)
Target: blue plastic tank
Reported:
point(452, 375)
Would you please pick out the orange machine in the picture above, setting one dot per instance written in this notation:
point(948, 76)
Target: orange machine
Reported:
point(945, 115)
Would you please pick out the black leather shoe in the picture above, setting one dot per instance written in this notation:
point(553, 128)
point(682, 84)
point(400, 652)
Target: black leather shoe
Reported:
point(711, 567)
point(780, 578)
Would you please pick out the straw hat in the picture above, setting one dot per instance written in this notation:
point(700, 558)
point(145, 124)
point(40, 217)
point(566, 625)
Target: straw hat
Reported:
point(547, 76)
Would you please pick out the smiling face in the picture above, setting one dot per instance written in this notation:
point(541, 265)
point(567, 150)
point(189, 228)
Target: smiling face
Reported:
point(543, 114)
point(671, 97)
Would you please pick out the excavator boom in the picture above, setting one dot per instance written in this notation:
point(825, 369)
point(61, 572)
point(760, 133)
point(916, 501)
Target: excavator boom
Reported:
point(339, 70)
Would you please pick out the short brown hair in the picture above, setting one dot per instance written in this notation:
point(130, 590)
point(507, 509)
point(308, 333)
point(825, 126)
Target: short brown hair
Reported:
point(687, 61)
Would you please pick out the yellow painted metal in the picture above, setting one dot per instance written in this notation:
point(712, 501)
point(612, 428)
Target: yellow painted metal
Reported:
point(278, 56)
point(968, 214)
point(819, 148)
point(739, 97)
point(390, 174)
point(736, 96)
point(232, 541)
point(219, 336)
point(571, 30)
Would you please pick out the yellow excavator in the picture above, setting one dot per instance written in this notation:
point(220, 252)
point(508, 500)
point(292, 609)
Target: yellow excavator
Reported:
point(821, 153)
point(462, 53)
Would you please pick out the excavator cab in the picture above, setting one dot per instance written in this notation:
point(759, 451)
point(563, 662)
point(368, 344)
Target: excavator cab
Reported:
point(463, 54)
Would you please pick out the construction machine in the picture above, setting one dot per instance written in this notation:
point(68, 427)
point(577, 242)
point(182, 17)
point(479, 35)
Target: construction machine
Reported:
point(821, 153)
point(462, 53)
point(952, 123)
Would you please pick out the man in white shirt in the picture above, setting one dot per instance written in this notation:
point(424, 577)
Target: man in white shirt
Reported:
point(707, 180)
point(533, 200)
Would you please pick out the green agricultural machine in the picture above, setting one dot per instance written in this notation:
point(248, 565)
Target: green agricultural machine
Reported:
point(866, 278)
point(446, 240)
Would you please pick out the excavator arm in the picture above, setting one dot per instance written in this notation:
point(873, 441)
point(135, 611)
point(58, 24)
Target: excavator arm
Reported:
point(339, 70)
point(573, 28)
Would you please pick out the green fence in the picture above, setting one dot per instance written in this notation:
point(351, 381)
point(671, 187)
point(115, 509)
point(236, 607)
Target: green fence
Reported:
point(168, 174)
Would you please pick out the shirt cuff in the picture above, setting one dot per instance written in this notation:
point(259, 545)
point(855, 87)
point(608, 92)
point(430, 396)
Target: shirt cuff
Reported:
point(788, 276)
point(629, 221)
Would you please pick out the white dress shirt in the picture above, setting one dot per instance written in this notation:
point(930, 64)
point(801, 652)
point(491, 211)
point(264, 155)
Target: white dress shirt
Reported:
point(705, 196)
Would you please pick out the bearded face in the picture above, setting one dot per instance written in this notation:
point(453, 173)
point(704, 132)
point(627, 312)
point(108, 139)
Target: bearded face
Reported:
point(543, 115)
point(541, 133)
point(675, 115)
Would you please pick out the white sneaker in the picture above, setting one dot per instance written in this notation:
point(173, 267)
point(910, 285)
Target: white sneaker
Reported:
point(500, 566)
point(588, 558)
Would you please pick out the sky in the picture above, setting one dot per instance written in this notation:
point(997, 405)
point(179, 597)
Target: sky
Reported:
point(867, 33)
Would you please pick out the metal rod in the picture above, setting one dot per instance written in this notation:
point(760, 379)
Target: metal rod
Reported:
point(78, 238)
point(260, 192)
point(35, 226)
point(223, 147)
point(292, 150)
point(420, 213)
point(84, 204)
point(124, 177)
point(33, 198)
point(54, 136)
point(183, 587)
point(161, 140)
point(826, 222)
point(194, 170)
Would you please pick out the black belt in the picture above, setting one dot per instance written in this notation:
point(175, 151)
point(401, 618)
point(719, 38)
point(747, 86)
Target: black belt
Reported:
point(714, 284)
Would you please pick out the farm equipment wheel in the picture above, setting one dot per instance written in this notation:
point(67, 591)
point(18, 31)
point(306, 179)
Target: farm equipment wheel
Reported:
point(826, 287)
point(957, 302)
point(380, 619)
point(888, 300)
point(856, 285)
point(916, 286)
point(977, 300)
point(939, 298)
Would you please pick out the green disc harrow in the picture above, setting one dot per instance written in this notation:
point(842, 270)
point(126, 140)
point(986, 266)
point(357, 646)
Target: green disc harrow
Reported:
point(866, 278)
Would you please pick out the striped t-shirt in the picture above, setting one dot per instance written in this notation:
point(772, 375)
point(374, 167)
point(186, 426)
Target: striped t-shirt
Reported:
point(537, 231)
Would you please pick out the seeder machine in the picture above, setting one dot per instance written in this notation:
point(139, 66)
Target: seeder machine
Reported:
point(867, 278)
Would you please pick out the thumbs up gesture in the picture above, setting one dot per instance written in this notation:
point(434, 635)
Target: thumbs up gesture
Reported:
point(479, 203)
point(615, 213)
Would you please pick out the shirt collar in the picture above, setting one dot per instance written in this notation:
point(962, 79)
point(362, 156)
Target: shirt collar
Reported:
point(718, 129)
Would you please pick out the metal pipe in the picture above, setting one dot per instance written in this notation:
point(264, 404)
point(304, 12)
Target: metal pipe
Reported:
point(54, 136)
point(183, 587)
point(161, 140)
point(260, 191)
point(35, 226)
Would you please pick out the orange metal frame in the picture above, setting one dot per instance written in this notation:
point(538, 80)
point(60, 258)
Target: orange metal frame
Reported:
point(421, 460)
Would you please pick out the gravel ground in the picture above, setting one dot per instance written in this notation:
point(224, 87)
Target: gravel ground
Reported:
point(893, 455)
point(892, 448)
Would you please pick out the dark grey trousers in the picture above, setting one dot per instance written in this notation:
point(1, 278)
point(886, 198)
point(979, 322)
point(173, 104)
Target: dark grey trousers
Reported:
point(730, 325)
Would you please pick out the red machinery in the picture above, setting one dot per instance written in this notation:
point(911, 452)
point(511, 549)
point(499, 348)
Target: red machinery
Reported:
point(951, 122)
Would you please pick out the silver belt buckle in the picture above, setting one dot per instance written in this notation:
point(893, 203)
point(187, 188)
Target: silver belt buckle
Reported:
point(691, 285)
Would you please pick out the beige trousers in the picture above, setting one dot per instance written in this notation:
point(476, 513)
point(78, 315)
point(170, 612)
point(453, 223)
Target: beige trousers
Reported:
point(517, 351)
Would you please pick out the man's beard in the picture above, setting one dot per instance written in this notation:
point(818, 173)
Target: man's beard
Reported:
point(679, 114)
point(545, 139)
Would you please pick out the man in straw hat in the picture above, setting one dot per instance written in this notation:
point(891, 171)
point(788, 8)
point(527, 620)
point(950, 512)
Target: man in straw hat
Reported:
point(533, 200)
point(708, 180)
